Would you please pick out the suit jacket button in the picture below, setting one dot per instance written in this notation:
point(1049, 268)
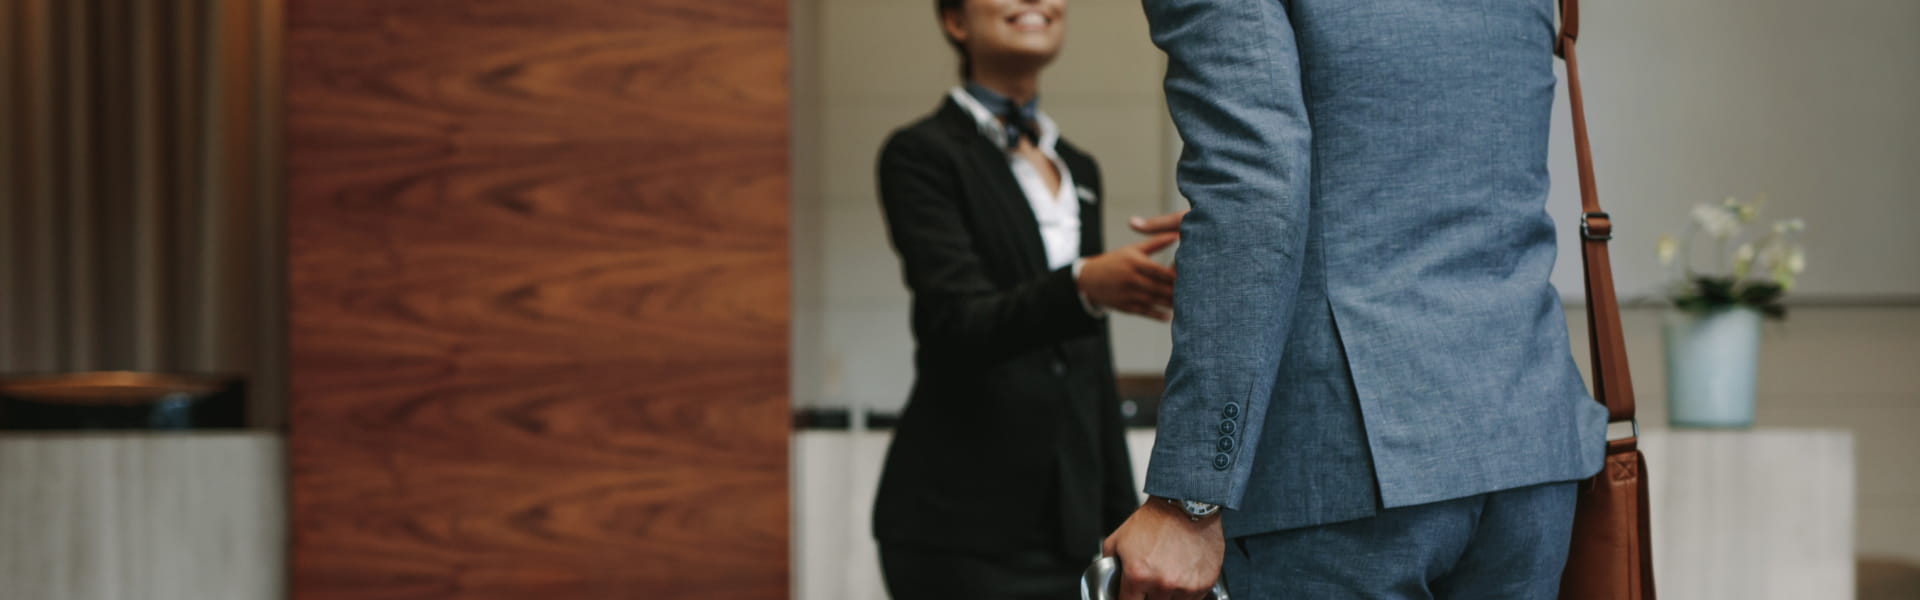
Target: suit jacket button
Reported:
point(1221, 461)
point(1232, 411)
point(1059, 367)
point(1225, 445)
point(1228, 427)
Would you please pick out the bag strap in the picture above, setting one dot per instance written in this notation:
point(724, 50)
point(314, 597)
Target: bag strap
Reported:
point(1612, 385)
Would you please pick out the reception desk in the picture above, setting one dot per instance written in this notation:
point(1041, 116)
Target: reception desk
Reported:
point(142, 516)
point(1748, 515)
point(1754, 515)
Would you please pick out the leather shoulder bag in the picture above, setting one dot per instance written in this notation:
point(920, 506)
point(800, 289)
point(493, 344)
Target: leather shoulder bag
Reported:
point(1612, 553)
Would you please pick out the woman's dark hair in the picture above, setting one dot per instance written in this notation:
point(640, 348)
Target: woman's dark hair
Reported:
point(940, 9)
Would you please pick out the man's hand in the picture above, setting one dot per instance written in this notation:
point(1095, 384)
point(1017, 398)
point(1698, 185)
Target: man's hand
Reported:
point(1167, 223)
point(1128, 280)
point(1164, 555)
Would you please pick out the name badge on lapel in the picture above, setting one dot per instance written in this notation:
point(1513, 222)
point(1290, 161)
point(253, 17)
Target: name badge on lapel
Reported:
point(1086, 195)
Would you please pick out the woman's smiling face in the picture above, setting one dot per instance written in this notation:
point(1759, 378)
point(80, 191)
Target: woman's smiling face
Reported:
point(1016, 32)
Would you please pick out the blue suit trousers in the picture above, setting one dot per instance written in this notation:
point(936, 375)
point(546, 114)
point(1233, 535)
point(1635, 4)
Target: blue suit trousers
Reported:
point(1508, 545)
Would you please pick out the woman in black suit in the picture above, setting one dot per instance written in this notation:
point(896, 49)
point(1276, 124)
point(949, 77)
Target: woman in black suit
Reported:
point(1010, 464)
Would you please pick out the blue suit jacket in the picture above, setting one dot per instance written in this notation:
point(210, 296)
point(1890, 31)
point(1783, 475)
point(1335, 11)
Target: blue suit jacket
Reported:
point(1363, 317)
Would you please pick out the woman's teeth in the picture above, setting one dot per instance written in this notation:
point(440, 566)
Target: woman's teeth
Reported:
point(1031, 20)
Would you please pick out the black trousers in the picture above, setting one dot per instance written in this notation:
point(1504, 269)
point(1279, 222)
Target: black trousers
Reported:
point(915, 573)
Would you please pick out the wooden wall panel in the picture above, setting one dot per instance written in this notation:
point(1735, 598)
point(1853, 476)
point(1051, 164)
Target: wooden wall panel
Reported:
point(539, 298)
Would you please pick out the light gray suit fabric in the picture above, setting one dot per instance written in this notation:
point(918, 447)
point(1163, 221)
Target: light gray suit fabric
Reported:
point(1363, 318)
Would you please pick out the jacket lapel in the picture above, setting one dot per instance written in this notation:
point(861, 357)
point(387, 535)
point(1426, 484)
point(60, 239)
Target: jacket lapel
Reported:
point(1087, 193)
point(1004, 199)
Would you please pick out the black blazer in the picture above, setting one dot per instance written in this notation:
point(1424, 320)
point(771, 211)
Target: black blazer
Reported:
point(1012, 436)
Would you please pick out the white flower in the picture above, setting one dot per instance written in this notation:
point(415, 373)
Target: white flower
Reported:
point(1716, 221)
point(1789, 226)
point(1666, 249)
point(1742, 261)
point(1774, 254)
point(1784, 280)
point(1785, 264)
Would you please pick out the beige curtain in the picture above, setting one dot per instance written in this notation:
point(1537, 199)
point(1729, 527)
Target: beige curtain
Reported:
point(140, 199)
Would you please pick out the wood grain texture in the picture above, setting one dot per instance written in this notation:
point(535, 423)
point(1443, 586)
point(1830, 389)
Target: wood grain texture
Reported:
point(539, 298)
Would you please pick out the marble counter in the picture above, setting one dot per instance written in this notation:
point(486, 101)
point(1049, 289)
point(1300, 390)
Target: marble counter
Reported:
point(1752, 515)
point(181, 516)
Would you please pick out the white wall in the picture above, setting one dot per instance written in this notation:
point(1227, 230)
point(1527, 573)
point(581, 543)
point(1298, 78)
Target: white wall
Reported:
point(1816, 104)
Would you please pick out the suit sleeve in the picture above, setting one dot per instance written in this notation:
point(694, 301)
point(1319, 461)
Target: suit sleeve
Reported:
point(957, 308)
point(1234, 89)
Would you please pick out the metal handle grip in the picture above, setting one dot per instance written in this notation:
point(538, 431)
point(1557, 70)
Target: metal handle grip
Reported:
point(1100, 582)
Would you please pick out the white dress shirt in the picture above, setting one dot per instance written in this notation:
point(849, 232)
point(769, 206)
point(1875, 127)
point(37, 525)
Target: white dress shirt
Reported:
point(1057, 210)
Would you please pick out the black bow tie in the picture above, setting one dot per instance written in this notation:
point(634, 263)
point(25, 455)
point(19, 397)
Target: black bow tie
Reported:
point(1020, 124)
point(1018, 120)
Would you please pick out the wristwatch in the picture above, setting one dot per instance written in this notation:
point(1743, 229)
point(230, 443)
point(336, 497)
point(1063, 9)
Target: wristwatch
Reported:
point(1195, 510)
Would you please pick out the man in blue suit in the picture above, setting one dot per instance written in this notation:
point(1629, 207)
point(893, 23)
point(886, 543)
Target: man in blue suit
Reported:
point(1371, 393)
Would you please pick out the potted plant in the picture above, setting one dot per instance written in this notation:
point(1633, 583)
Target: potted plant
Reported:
point(1712, 332)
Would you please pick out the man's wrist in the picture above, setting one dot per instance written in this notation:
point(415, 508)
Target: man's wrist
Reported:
point(1194, 511)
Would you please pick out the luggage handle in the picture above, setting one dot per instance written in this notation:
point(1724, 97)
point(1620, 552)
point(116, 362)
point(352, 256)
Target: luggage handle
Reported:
point(1099, 582)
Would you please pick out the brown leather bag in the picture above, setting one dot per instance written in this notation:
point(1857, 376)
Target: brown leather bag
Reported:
point(1612, 553)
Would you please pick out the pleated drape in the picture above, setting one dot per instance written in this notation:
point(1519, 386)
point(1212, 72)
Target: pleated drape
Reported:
point(140, 198)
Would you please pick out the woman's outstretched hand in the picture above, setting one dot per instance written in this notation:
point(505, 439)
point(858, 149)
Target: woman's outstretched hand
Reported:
point(1167, 223)
point(1127, 279)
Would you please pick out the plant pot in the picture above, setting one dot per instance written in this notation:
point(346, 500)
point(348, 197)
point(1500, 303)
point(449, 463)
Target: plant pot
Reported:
point(1712, 359)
